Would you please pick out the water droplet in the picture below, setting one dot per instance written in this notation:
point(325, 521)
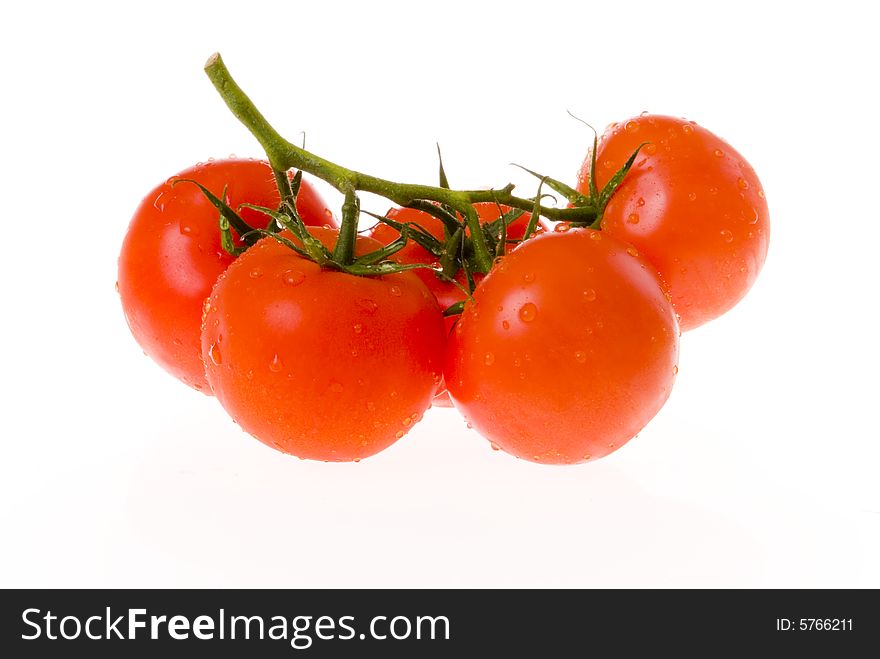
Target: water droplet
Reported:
point(650, 149)
point(761, 194)
point(595, 235)
point(505, 324)
point(640, 202)
point(631, 126)
point(713, 190)
point(692, 196)
point(256, 273)
point(214, 353)
point(590, 295)
point(336, 387)
point(399, 434)
point(188, 230)
point(562, 227)
point(727, 235)
point(675, 370)
point(528, 278)
point(742, 184)
point(177, 342)
point(687, 129)
point(633, 218)
point(293, 277)
point(355, 459)
point(275, 365)
point(367, 306)
point(517, 362)
point(587, 456)
point(528, 312)
point(407, 422)
point(358, 328)
point(608, 164)
point(718, 153)
point(580, 357)
point(611, 445)
point(250, 374)
point(116, 287)
point(206, 306)
point(494, 446)
point(395, 291)
point(489, 359)
point(632, 251)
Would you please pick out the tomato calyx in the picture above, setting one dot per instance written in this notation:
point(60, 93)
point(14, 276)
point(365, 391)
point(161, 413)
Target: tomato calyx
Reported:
point(592, 205)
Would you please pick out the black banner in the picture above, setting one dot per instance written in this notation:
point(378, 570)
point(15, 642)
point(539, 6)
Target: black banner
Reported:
point(317, 623)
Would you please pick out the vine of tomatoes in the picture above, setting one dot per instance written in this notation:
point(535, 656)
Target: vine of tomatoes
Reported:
point(554, 331)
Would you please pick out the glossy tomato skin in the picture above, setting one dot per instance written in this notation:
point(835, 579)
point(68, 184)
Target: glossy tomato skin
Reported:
point(446, 292)
point(569, 348)
point(172, 256)
point(318, 363)
point(692, 204)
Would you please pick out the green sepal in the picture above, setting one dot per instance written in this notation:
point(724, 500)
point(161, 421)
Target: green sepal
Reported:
point(233, 219)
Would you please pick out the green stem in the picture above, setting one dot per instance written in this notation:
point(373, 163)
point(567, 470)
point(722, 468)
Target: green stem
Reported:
point(283, 155)
point(343, 253)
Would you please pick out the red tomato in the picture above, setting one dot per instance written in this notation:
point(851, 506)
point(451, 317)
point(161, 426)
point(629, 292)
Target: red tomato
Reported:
point(446, 292)
point(318, 363)
point(171, 256)
point(692, 204)
point(568, 349)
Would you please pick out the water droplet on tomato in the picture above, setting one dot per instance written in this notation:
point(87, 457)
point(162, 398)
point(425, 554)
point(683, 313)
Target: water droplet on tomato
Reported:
point(494, 446)
point(595, 235)
point(367, 306)
point(407, 422)
point(395, 291)
point(214, 354)
point(675, 370)
point(631, 126)
point(742, 184)
point(358, 328)
point(528, 278)
point(754, 218)
point(336, 388)
point(687, 129)
point(293, 277)
point(632, 251)
point(275, 365)
point(718, 153)
point(489, 359)
point(633, 218)
point(692, 196)
point(256, 273)
point(528, 312)
point(562, 227)
point(761, 194)
point(727, 235)
point(580, 357)
point(589, 295)
point(611, 445)
point(399, 434)
point(587, 456)
point(188, 230)
point(640, 202)
point(650, 149)
point(505, 324)
point(116, 287)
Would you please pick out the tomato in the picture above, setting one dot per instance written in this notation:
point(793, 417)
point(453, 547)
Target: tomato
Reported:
point(568, 349)
point(171, 256)
point(319, 363)
point(446, 292)
point(692, 204)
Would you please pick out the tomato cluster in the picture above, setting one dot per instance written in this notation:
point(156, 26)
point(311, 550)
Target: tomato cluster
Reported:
point(331, 347)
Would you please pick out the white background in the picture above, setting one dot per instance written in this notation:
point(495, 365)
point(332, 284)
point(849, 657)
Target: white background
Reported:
point(760, 471)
